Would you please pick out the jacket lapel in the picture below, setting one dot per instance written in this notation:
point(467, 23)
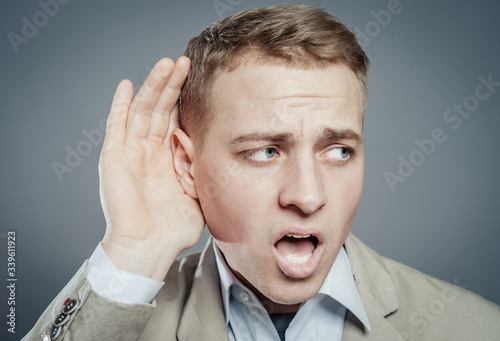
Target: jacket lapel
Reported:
point(377, 293)
point(380, 328)
point(203, 316)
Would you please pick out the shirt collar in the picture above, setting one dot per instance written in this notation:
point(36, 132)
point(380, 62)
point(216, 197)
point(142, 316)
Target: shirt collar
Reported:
point(339, 285)
point(227, 279)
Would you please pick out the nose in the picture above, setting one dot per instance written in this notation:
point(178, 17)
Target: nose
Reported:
point(303, 186)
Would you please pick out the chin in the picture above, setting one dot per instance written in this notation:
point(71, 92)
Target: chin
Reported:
point(293, 292)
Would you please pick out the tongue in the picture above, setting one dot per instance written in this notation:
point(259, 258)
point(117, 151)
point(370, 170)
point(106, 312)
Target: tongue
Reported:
point(295, 246)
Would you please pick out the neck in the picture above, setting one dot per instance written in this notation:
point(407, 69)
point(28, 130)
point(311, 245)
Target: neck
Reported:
point(271, 306)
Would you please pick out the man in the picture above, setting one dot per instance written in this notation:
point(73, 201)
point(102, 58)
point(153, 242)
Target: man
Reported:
point(265, 147)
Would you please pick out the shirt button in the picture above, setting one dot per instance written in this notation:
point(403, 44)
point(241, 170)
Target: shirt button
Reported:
point(244, 296)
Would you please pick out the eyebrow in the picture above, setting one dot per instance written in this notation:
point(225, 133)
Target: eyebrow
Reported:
point(264, 136)
point(324, 134)
point(338, 134)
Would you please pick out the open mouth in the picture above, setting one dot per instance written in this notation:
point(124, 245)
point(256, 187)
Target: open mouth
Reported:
point(298, 255)
point(297, 248)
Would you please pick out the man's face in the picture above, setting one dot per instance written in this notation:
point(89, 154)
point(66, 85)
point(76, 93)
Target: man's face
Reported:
point(280, 175)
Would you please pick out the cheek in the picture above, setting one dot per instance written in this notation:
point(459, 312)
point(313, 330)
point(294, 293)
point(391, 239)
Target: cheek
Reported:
point(231, 202)
point(345, 193)
point(352, 196)
point(352, 189)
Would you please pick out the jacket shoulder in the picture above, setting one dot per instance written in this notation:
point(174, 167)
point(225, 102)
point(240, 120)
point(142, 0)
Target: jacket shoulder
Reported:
point(432, 307)
point(425, 307)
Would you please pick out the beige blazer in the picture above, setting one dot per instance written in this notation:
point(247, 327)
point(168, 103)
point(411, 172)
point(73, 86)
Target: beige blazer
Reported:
point(402, 304)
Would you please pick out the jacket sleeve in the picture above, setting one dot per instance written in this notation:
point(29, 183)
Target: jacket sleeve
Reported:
point(79, 313)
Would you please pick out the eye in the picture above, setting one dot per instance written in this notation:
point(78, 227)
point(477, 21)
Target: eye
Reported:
point(339, 153)
point(262, 154)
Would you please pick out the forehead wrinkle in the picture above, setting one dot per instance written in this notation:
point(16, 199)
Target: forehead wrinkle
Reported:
point(296, 101)
point(304, 96)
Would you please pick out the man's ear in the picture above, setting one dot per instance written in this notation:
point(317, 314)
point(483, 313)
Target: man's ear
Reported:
point(183, 151)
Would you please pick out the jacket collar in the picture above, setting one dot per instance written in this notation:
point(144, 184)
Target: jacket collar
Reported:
point(377, 292)
point(203, 316)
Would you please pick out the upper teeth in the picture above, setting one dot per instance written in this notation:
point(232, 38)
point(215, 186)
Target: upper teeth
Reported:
point(298, 235)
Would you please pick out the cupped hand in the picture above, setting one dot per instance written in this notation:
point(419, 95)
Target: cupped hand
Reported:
point(149, 217)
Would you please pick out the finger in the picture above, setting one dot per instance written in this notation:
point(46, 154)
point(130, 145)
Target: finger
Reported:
point(117, 119)
point(145, 101)
point(161, 117)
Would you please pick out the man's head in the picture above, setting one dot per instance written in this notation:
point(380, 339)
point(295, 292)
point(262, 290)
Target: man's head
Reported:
point(293, 35)
point(277, 163)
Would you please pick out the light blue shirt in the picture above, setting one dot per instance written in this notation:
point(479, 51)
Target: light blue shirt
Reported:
point(320, 318)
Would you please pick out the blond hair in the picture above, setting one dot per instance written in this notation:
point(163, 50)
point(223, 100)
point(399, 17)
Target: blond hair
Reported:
point(296, 35)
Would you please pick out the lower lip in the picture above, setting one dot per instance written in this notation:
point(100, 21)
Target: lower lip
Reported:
point(299, 271)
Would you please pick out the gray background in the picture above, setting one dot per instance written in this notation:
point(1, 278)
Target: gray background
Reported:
point(443, 220)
